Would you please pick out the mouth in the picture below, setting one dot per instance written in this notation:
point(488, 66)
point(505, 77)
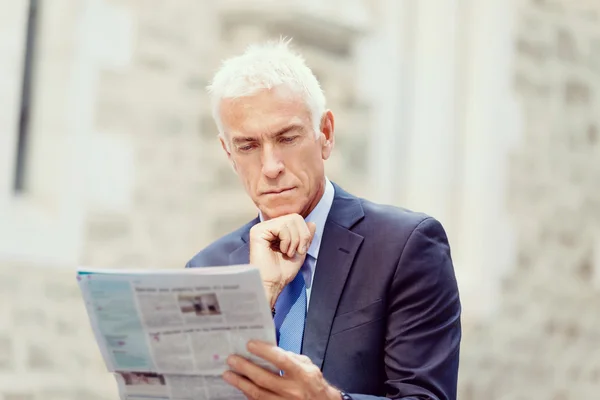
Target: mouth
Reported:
point(278, 191)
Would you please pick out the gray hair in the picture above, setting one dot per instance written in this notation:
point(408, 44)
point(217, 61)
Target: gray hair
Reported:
point(266, 66)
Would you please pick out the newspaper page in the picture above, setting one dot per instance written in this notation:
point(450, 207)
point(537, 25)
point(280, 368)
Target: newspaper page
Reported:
point(167, 334)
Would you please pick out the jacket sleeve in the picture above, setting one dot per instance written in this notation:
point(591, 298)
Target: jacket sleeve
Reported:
point(423, 328)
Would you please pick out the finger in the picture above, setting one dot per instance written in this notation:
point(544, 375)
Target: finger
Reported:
point(305, 236)
point(312, 227)
point(285, 238)
point(295, 225)
point(302, 358)
point(249, 389)
point(280, 358)
point(294, 238)
point(259, 376)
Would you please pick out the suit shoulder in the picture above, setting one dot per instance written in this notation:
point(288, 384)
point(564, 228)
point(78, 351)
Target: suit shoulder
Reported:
point(392, 228)
point(388, 217)
point(217, 252)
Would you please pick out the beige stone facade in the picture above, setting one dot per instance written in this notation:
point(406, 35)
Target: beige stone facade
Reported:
point(488, 120)
point(543, 340)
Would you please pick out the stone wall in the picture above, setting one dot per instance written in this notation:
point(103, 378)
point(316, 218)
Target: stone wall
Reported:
point(543, 341)
point(185, 191)
point(47, 350)
point(157, 104)
point(150, 118)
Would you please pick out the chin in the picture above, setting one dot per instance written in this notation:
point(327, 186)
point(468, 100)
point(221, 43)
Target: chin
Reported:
point(276, 211)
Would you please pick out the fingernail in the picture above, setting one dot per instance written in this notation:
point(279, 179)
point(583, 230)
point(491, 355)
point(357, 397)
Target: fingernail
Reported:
point(304, 249)
point(231, 361)
point(251, 345)
point(228, 376)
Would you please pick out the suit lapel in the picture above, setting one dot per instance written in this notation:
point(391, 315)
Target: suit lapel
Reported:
point(336, 256)
point(241, 255)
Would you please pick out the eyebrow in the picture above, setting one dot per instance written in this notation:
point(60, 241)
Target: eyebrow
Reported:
point(286, 129)
point(281, 132)
point(241, 140)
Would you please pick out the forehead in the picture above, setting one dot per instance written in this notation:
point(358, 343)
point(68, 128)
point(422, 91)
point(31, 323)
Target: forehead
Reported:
point(264, 112)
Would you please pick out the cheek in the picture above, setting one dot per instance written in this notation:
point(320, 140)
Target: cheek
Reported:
point(310, 167)
point(246, 173)
point(251, 181)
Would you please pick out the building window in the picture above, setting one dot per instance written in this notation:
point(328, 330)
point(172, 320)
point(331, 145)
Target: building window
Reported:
point(26, 96)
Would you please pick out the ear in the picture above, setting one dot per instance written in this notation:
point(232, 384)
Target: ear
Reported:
point(327, 134)
point(225, 147)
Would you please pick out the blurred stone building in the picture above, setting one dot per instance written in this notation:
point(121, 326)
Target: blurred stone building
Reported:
point(484, 114)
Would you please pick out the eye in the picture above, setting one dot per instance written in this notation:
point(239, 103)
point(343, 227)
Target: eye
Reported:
point(246, 148)
point(288, 139)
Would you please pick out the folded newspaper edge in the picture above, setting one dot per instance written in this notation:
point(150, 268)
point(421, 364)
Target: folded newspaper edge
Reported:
point(166, 334)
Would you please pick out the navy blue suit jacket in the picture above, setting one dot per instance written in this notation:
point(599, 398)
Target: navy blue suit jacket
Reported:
point(384, 315)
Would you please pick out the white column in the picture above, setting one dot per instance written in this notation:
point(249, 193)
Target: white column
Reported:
point(596, 258)
point(430, 165)
point(460, 119)
point(484, 243)
point(384, 73)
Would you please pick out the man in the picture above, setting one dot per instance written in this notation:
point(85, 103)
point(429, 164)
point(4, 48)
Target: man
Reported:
point(364, 295)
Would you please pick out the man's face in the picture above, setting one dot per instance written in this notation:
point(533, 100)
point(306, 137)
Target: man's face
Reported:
point(270, 140)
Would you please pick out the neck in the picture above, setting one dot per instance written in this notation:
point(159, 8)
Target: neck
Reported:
point(315, 200)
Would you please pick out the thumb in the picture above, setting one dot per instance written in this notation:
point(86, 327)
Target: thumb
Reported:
point(312, 227)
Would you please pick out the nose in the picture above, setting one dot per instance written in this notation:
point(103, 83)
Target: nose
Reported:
point(272, 165)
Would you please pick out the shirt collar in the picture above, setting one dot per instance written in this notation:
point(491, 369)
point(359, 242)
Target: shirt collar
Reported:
point(319, 216)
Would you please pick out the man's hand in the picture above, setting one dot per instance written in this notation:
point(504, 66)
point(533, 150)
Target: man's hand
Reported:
point(301, 380)
point(278, 248)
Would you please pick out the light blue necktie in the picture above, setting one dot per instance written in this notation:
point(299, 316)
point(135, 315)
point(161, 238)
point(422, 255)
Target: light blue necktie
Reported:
point(290, 313)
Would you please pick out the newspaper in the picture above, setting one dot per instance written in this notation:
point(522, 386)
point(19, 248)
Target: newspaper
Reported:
point(167, 334)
